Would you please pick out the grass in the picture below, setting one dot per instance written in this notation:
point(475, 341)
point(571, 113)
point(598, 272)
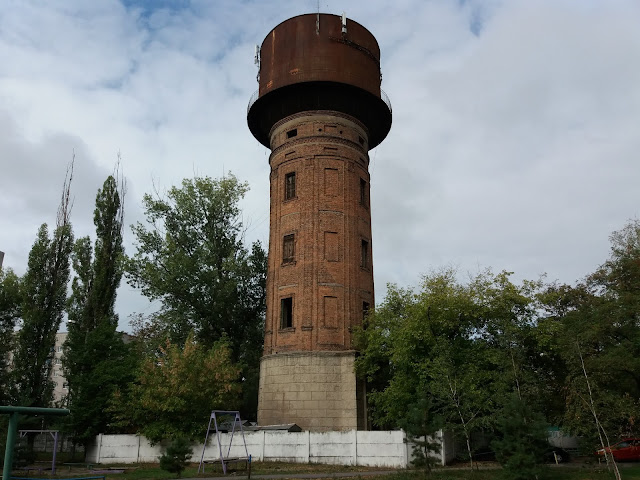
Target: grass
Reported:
point(153, 472)
point(577, 472)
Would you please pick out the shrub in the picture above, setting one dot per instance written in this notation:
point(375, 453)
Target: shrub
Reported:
point(177, 456)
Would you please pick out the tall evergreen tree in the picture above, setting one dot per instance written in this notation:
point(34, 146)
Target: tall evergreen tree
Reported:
point(521, 442)
point(10, 303)
point(44, 295)
point(95, 359)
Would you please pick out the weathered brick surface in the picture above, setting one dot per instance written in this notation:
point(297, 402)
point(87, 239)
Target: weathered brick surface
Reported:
point(326, 280)
point(307, 374)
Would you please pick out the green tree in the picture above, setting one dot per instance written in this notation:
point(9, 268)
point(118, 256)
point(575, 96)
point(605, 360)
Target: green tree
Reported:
point(44, 287)
point(521, 442)
point(177, 456)
point(95, 360)
point(390, 387)
point(176, 390)
point(430, 343)
point(191, 258)
point(469, 345)
point(596, 336)
point(422, 426)
point(10, 306)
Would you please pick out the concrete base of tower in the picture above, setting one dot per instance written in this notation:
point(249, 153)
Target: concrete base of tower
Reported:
point(316, 390)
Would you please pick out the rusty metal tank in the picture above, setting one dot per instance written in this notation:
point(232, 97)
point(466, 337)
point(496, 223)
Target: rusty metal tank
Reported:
point(319, 62)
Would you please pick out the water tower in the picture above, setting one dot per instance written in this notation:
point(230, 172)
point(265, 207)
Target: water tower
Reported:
point(320, 109)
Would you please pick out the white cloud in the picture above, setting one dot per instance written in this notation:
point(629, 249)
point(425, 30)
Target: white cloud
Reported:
point(513, 143)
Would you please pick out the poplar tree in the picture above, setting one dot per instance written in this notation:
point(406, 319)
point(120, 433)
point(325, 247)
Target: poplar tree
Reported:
point(10, 303)
point(95, 359)
point(44, 287)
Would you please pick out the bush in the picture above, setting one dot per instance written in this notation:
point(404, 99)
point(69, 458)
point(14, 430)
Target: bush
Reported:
point(23, 455)
point(177, 456)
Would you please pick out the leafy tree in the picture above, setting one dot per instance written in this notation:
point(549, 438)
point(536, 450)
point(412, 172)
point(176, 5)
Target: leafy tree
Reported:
point(453, 340)
point(44, 288)
point(508, 316)
point(176, 390)
point(95, 360)
point(10, 305)
point(177, 456)
point(192, 259)
point(390, 387)
point(596, 337)
point(430, 343)
point(521, 442)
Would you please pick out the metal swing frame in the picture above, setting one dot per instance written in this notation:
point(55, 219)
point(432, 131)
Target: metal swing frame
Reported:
point(54, 435)
point(225, 460)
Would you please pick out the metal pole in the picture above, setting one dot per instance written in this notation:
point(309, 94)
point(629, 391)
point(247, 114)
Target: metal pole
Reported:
point(233, 430)
point(201, 466)
point(215, 421)
point(55, 448)
point(8, 451)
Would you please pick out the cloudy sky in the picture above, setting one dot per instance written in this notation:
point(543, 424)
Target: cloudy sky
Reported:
point(514, 143)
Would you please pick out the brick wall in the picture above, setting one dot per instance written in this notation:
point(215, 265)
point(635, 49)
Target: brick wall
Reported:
point(320, 276)
point(330, 276)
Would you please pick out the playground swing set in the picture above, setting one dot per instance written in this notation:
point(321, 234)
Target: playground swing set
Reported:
point(226, 459)
point(216, 415)
point(12, 432)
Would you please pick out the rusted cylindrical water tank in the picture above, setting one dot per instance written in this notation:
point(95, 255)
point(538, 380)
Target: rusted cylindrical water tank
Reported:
point(310, 62)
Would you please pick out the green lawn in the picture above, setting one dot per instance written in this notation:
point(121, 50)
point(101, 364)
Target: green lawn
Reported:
point(153, 472)
point(589, 472)
point(554, 473)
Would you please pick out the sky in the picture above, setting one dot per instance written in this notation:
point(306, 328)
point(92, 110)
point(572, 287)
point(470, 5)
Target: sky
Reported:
point(514, 144)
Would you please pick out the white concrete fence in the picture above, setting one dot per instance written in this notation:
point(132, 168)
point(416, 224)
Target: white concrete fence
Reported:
point(371, 449)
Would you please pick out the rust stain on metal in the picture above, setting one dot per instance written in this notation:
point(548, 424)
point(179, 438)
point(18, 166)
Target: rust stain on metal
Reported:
point(293, 52)
point(306, 68)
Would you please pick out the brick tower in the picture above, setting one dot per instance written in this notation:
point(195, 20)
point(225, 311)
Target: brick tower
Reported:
point(319, 108)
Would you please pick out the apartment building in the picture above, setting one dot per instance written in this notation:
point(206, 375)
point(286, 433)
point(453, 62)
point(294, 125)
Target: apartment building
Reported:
point(61, 386)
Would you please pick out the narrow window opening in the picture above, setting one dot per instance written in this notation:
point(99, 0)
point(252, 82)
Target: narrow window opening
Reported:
point(364, 254)
point(290, 186)
point(288, 248)
point(292, 133)
point(365, 310)
point(363, 192)
point(286, 312)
